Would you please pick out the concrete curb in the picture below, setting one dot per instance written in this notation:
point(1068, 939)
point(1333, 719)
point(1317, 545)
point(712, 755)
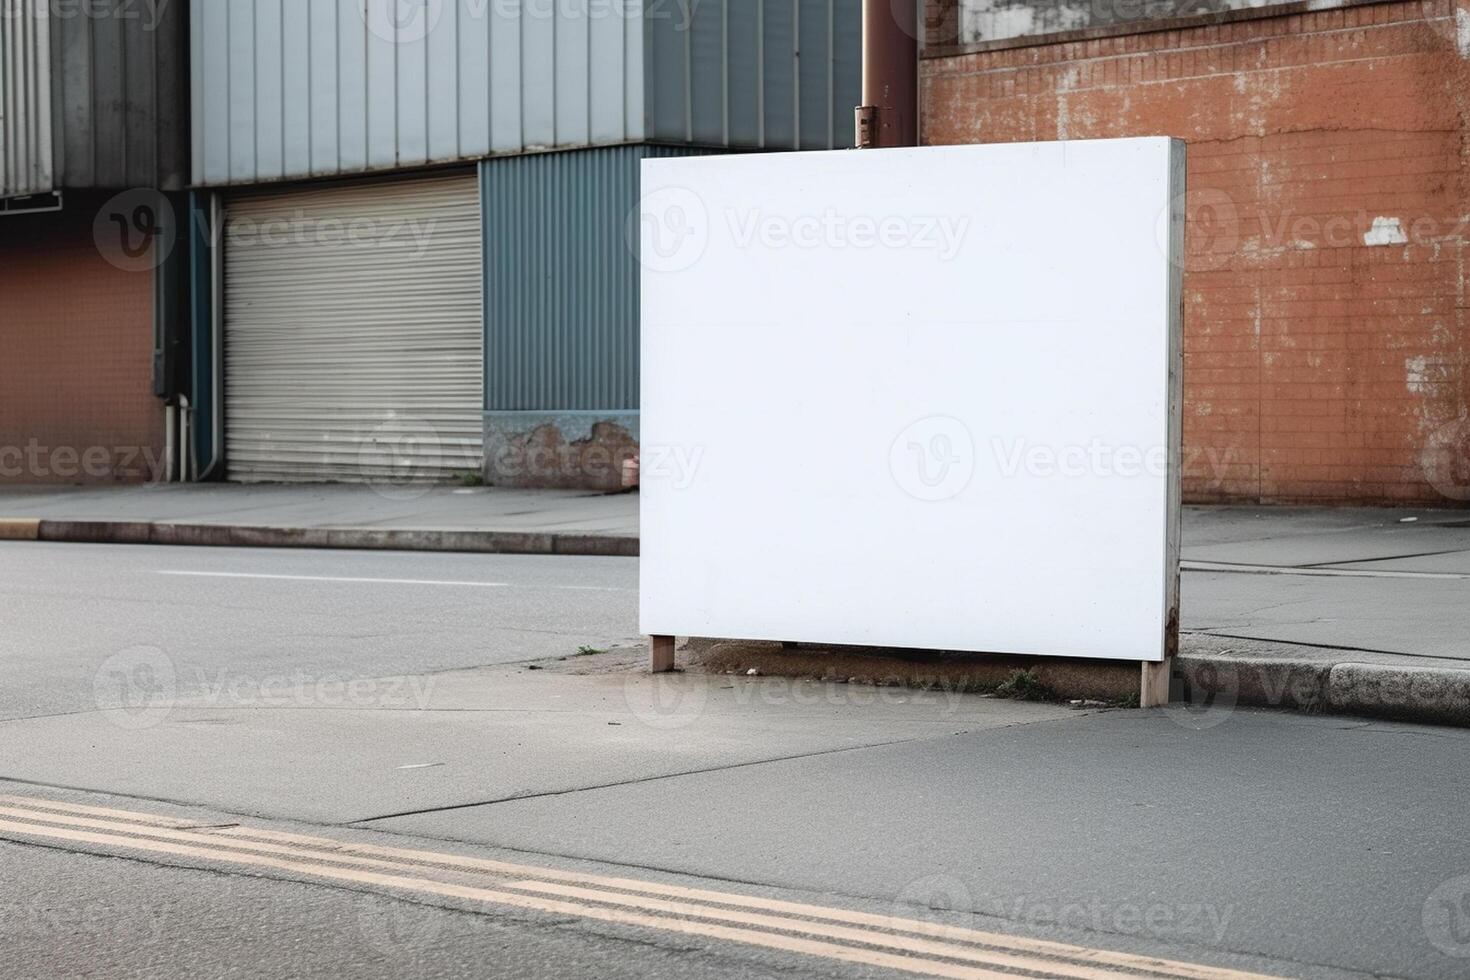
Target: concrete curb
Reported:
point(1206, 687)
point(352, 538)
point(24, 529)
point(1429, 695)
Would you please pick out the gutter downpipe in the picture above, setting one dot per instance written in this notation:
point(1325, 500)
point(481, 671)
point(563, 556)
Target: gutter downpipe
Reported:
point(170, 441)
point(889, 115)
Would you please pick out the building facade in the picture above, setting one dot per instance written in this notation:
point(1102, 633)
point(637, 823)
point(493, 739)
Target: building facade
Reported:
point(1325, 305)
point(93, 160)
point(416, 257)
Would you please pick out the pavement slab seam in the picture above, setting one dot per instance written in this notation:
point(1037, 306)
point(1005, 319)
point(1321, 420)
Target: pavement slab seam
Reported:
point(1315, 646)
point(678, 775)
point(359, 822)
point(1367, 561)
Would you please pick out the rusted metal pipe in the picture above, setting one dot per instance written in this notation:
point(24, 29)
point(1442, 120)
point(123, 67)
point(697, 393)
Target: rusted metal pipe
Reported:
point(889, 115)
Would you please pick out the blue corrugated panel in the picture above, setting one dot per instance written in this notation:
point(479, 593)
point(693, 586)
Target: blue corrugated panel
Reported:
point(755, 74)
point(561, 279)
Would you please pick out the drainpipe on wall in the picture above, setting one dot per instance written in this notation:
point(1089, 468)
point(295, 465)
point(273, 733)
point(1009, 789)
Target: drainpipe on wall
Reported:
point(889, 115)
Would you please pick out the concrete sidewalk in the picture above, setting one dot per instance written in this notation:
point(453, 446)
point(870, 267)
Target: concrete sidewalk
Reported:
point(412, 518)
point(1354, 611)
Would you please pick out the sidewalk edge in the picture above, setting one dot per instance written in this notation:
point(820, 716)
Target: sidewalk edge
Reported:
point(1391, 692)
point(358, 539)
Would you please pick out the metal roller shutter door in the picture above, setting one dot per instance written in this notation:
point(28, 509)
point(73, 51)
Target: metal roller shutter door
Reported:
point(354, 347)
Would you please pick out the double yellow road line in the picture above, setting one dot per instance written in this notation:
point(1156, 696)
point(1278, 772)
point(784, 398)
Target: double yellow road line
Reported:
point(909, 945)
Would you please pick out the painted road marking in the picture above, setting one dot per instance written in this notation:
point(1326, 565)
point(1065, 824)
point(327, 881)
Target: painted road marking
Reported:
point(909, 945)
point(355, 580)
point(336, 578)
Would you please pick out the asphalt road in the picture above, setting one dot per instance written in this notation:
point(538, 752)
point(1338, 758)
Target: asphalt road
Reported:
point(68, 608)
point(205, 701)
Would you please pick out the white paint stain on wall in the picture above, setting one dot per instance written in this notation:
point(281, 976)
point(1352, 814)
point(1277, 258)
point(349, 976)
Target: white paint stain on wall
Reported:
point(1385, 231)
point(1423, 373)
point(1416, 373)
point(1462, 31)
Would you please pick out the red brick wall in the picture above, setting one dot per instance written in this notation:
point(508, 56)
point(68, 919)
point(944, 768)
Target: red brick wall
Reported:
point(1325, 359)
point(76, 344)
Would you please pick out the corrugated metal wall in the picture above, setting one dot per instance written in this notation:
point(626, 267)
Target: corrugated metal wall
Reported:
point(561, 279)
point(768, 74)
point(298, 88)
point(26, 164)
point(121, 94)
point(294, 88)
point(94, 96)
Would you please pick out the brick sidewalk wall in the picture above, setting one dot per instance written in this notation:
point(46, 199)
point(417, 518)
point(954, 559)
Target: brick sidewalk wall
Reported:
point(76, 400)
point(1325, 324)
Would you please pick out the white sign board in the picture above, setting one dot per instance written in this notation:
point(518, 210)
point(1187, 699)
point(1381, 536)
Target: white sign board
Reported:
point(920, 398)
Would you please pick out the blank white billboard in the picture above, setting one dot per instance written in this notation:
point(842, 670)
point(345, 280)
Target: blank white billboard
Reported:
point(920, 398)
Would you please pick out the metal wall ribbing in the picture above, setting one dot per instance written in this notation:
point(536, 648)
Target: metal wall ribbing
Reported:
point(561, 279)
point(303, 88)
point(755, 74)
point(26, 163)
point(92, 96)
point(353, 331)
point(290, 89)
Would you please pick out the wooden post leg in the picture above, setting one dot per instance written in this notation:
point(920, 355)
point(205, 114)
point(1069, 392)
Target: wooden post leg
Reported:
point(1154, 692)
point(662, 650)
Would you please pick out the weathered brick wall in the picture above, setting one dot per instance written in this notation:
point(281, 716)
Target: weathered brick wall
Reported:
point(1325, 323)
point(76, 343)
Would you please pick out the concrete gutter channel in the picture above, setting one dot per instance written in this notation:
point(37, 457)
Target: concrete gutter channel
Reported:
point(1207, 683)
